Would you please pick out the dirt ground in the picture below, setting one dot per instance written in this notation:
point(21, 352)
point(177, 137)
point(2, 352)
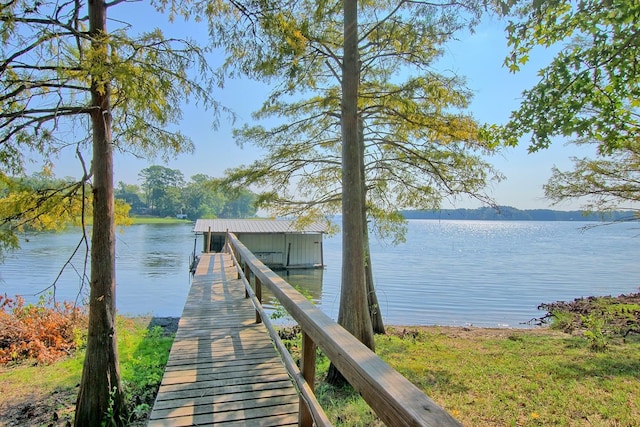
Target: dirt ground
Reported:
point(37, 408)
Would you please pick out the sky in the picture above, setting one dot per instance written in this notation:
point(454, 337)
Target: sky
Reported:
point(478, 56)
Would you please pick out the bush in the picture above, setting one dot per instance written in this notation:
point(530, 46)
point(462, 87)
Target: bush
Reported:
point(598, 318)
point(43, 332)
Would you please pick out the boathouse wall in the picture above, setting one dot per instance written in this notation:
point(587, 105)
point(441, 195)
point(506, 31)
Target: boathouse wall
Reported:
point(286, 250)
point(274, 242)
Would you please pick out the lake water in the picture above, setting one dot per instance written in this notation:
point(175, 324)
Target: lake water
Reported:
point(482, 273)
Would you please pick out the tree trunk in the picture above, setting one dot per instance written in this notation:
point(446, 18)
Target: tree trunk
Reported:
point(353, 313)
point(372, 299)
point(100, 397)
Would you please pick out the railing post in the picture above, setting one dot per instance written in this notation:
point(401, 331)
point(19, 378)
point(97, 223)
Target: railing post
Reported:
point(258, 292)
point(308, 369)
point(247, 274)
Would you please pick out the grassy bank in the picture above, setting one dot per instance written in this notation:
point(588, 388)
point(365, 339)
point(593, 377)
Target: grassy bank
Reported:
point(157, 220)
point(502, 377)
point(45, 394)
point(484, 377)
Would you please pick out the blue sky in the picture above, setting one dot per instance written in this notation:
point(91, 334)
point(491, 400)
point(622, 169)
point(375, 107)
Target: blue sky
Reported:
point(478, 56)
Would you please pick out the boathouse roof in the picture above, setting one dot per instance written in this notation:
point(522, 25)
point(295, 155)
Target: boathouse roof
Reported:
point(257, 226)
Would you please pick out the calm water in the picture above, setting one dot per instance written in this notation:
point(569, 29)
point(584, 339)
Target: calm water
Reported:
point(448, 272)
point(151, 268)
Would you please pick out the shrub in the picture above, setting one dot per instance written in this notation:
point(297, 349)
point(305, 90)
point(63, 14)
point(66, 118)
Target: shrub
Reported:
point(43, 332)
point(597, 317)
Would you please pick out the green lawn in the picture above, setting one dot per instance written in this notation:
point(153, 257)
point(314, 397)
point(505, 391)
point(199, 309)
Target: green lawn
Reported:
point(157, 220)
point(506, 377)
point(484, 377)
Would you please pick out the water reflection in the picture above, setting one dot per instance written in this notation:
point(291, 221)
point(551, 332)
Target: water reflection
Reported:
point(306, 281)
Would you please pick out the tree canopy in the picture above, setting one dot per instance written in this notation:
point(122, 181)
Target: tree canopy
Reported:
point(591, 89)
point(420, 146)
point(605, 184)
point(589, 93)
point(165, 192)
point(46, 68)
point(359, 121)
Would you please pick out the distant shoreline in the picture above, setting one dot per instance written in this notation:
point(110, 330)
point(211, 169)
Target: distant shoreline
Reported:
point(508, 213)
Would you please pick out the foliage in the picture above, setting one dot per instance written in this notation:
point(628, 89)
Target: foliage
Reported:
point(600, 319)
point(46, 57)
point(47, 64)
point(144, 353)
point(52, 388)
point(590, 90)
point(595, 332)
point(161, 186)
point(37, 203)
point(42, 332)
point(166, 193)
point(509, 213)
point(419, 144)
point(605, 183)
point(204, 199)
point(40, 202)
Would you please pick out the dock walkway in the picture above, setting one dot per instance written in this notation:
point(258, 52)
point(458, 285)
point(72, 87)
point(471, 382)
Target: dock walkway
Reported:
point(223, 368)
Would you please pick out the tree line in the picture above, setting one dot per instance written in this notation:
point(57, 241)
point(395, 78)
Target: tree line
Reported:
point(508, 213)
point(165, 192)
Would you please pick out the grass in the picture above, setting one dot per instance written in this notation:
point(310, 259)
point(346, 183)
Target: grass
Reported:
point(32, 394)
point(143, 354)
point(504, 378)
point(484, 377)
point(157, 220)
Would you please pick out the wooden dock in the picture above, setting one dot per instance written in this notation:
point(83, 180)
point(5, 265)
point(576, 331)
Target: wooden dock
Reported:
point(223, 368)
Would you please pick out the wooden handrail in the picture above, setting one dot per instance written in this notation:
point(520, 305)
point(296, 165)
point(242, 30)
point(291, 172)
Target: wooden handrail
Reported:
point(395, 400)
point(311, 413)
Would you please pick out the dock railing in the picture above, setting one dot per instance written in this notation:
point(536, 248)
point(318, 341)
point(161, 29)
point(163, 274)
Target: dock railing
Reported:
point(394, 399)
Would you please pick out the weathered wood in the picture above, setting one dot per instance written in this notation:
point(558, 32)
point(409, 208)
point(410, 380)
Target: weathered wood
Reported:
point(258, 286)
point(394, 398)
point(315, 413)
point(223, 368)
point(308, 369)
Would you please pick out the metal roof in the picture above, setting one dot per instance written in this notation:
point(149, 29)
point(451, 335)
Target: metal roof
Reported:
point(257, 226)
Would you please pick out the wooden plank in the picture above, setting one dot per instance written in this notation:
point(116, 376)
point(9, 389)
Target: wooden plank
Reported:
point(228, 382)
point(205, 420)
point(223, 368)
point(247, 358)
point(226, 393)
point(271, 405)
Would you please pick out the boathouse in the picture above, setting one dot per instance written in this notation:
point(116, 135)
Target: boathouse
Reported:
point(278, 243)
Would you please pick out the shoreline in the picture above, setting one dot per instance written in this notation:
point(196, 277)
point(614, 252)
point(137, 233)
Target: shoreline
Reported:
point(169, 325)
